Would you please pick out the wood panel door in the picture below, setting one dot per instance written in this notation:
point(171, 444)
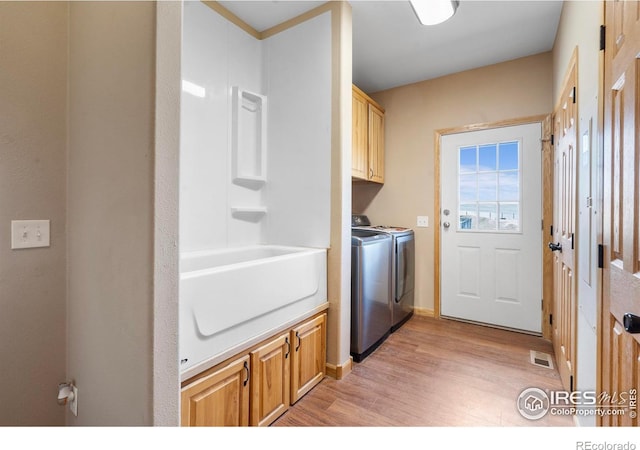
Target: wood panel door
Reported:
point(270, 380)
point(620, 370)
point(564, 222)
point(218, 399)
point(309, 356)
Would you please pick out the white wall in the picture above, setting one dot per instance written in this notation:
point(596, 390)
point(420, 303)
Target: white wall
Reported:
point(293, 70)
point(579, 27)
point(298, 81)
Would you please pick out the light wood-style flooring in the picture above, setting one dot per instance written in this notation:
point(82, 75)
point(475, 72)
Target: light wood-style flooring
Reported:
point(434, 372)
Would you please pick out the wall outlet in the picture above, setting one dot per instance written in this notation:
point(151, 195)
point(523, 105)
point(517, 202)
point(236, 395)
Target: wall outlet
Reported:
point(29, 233)
point(423, 221)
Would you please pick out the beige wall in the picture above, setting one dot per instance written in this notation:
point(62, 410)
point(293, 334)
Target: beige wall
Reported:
point(339, 273)
point(110, 210)
point(509, 90)
point(166, 377)
point(33, 78)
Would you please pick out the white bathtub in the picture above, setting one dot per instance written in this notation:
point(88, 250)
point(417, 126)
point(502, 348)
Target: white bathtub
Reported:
point(229, 297)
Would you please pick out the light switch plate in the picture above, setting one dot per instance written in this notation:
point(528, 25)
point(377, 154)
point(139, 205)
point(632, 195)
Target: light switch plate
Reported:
point(30, 233)
point(423, 221)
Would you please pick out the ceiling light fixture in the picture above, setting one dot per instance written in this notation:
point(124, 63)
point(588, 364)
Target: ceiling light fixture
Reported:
point(433, 12)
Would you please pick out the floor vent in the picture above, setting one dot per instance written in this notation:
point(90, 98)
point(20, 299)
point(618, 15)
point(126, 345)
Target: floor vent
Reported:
point(541, 359)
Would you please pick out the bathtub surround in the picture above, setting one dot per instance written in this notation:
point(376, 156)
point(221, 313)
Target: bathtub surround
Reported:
point(255, 169)
point(231, 296)
point(216, 56)
point(237, 187)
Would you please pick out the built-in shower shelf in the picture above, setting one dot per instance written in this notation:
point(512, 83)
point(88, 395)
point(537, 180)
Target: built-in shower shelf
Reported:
point(248, 137)
point(249, 213)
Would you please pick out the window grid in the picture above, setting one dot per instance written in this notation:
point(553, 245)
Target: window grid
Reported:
point(489, 187)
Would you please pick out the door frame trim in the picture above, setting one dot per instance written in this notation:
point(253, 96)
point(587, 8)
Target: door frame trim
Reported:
point(547, 210)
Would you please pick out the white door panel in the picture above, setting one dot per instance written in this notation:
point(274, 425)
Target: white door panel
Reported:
point(491, 260)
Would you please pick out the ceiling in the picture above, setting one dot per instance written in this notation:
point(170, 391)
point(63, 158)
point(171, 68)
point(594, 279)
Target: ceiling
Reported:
point(391, 48)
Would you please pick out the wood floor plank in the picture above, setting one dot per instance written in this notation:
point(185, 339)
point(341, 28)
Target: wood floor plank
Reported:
point(434, 372)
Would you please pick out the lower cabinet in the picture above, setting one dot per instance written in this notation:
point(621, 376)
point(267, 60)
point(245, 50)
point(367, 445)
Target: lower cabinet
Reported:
point(257, 387)
point(220, 398)
point(309, 356)
point(270, 381)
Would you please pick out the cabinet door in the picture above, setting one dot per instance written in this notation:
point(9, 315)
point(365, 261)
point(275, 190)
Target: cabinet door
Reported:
point(360, 135)
point(220, 398)
point(309, 356)
point(270, 380)
point(376, 144)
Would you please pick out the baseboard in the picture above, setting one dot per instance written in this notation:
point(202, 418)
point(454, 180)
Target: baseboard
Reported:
point(341, 371)
point(424, 312)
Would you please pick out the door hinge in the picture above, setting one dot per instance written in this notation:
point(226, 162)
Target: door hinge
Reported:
point(541, 303)
point(550, 319)
point(542, 224)
point(551, 230)
point(572, 241)
point(571, 383)
point(603, 36)
point(574, 94)
point(600, 256)
point(552, 139)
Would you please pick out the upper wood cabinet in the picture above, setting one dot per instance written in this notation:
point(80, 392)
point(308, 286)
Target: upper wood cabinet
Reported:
point(367, 155)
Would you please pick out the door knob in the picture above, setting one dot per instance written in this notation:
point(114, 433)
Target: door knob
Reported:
point(446, 224)
point(555, 247)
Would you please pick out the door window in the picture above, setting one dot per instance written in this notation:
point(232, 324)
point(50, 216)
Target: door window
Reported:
point(489, 187)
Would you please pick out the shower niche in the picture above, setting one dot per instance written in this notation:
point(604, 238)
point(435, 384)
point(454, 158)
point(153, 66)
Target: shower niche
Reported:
point(248, 148)
point(249, 137)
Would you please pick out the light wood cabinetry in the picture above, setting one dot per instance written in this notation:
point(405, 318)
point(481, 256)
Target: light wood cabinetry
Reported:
point(257, 386)
point(309, 356)
point(360, 136)
point(270, 366)
point(367, 155)
point(220, 398)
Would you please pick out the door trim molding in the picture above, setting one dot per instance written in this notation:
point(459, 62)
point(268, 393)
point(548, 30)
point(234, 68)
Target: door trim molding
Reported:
point(438, 134)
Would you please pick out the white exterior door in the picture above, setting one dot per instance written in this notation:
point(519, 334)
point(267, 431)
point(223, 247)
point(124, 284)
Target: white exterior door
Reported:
point(491, 255)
